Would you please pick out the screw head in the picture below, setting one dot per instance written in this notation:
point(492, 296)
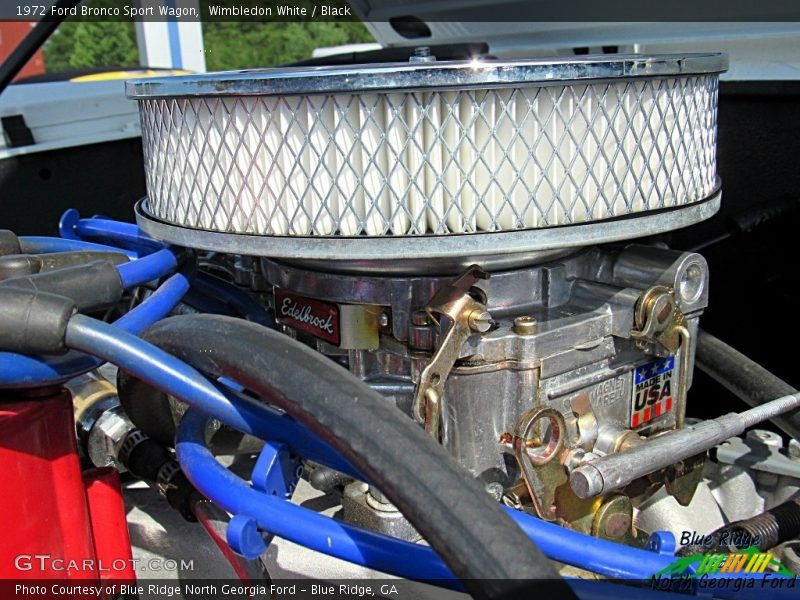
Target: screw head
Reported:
point(495, 490)
point(480, 321)
point(691, 282)
point(768, 438)
point(525, 325)
point(617, 525)
point(383, 320)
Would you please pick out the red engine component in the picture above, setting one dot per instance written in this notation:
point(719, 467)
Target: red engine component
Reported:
point(56, 522)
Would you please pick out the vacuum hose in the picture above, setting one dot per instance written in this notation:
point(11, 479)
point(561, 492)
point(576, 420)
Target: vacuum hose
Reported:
point(481, 545)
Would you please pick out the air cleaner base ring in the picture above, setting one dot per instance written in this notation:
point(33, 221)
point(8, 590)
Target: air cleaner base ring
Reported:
point(410, 254)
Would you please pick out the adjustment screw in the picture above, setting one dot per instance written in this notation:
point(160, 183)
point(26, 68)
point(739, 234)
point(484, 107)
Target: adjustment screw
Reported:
point(525, 325)
point(383, 320)
point(480, 321)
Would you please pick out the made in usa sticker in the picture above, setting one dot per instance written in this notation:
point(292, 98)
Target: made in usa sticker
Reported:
point(652, 390)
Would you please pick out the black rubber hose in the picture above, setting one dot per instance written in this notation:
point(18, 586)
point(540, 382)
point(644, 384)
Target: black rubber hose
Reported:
point(744, 378)
point(151, 461)
point(91, 286)
point(150, 410)
point(487, 551)
point(147, 408)
point(33, 321)
point(18, 265)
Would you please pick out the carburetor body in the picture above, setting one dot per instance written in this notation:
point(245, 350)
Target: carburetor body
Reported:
point(559, 336)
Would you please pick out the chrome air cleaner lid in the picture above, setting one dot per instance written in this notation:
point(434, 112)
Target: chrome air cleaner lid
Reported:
point(430, 159)
point(409, 76)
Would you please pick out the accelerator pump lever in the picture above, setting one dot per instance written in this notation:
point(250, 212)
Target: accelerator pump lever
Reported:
point(658, 319)
point(457, 313)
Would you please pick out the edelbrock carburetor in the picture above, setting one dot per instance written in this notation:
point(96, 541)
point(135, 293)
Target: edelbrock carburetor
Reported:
point(458, 234)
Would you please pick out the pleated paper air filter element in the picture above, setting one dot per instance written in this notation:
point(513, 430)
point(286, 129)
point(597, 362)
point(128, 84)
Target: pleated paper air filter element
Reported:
point(417, 149)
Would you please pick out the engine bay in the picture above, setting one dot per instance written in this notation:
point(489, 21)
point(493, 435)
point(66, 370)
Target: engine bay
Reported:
point(434, 293)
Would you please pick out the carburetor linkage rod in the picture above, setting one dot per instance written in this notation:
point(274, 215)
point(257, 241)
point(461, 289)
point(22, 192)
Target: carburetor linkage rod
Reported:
point(614, 471)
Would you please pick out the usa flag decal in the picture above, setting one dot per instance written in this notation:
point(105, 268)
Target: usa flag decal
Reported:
point(652, 391)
